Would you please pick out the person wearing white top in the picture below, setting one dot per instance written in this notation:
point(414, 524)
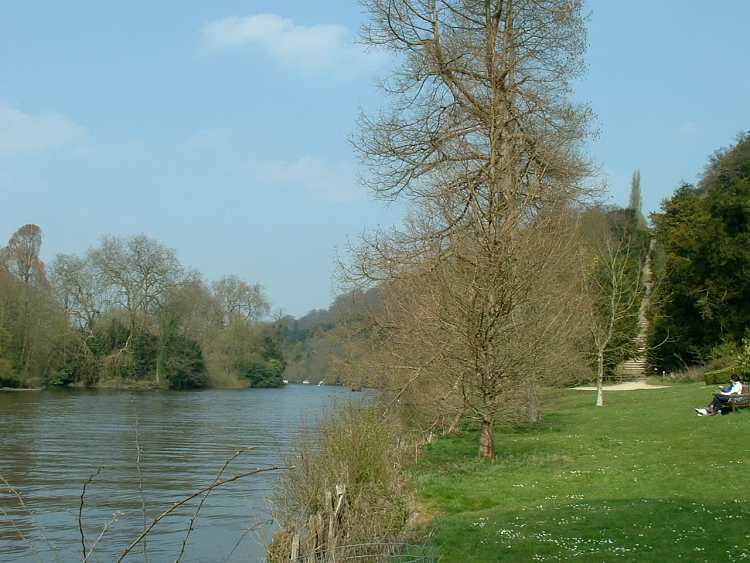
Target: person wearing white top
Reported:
point(734, 388)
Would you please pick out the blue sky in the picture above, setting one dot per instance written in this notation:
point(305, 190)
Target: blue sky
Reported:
point(220, 128)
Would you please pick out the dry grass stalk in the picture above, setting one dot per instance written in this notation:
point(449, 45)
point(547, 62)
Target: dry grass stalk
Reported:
point(242, 538)
point(86, 483)
point(139, 468)
point(187, 499)
point(115, 518)
point(203, 500)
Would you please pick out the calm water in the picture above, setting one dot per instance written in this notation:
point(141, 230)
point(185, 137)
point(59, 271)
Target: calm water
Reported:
point(51, 442)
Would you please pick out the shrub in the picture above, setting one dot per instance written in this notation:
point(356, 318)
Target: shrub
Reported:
point(690, 374)
point(262, 372)
point(720, 376)
point(8, 378)
point(355, 448)
point(143, 350)
point(117, 365)
point(722, 356)
point(185, 368)
point(743, 359)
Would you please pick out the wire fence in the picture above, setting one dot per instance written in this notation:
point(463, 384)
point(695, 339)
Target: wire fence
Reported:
point(375, 553)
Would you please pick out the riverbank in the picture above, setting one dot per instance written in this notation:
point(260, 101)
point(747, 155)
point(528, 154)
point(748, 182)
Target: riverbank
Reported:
point(135, 385)
point(642, 479)
point(148, 385)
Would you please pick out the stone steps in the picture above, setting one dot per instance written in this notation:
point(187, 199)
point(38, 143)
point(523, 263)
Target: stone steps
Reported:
point(636, 368)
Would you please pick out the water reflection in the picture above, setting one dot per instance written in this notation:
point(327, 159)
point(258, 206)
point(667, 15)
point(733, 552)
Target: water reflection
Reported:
point(51, 442)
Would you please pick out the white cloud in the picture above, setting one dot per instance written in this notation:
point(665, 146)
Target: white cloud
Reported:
point(310, 48)
point(24, 132)
point(331, 181)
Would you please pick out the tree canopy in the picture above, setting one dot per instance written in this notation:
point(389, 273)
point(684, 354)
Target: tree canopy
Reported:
point(703, 294)
point(126, 313)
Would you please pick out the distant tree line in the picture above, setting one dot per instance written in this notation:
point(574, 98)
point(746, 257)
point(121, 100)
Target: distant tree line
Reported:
point(128, 313)
point(316, 343)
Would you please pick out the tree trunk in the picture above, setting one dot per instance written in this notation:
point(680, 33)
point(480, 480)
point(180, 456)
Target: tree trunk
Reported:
point(532, 403)
point(600, 379)
point(455, 423)
point(26, 334)
point(487, 440)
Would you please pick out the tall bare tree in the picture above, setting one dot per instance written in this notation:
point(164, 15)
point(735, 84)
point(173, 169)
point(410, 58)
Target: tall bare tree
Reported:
point(483, 140)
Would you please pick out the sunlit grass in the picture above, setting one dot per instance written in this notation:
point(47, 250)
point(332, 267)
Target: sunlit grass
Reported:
point(643, 479)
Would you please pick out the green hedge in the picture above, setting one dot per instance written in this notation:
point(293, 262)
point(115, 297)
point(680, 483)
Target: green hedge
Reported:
point(721, 376)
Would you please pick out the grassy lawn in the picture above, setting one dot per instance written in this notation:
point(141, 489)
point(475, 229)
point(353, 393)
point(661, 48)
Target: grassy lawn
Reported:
point(642, 479)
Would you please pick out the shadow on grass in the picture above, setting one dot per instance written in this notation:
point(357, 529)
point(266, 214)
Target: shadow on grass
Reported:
point(463, 448)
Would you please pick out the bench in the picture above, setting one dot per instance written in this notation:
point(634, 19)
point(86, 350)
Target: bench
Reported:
point(741, 400)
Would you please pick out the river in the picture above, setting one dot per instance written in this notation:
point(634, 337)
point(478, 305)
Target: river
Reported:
point(52, 441)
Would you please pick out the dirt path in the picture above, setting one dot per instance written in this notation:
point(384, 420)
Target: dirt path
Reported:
point(627, 386)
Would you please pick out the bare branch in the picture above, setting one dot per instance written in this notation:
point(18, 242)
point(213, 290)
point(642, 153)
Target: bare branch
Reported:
point(80, 510)
point(187, 499)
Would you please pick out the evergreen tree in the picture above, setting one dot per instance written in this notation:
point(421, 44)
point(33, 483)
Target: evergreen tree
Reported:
point(636, 199)
point(704, 294)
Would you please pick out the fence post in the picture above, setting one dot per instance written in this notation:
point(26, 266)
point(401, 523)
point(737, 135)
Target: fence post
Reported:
point(295, 548)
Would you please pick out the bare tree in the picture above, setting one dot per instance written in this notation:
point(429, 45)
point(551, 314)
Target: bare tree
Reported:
point(137, 271)
point(136, 274)
point(241, 300)
point(613, 292)
point(74, 281)
point(485, 143)
point(448, 350)
point(199, 313)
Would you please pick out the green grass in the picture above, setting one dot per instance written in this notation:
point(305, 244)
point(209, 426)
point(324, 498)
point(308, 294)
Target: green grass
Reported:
point(642, 479)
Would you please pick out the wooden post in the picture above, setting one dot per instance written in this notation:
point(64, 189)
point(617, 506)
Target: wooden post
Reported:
point(311, 545)
point(295, 548)
point(334, 521)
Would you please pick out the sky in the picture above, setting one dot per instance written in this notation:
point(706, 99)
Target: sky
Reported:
point(222, 128)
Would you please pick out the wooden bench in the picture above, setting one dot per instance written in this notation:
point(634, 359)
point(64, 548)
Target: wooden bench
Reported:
point(741, 400)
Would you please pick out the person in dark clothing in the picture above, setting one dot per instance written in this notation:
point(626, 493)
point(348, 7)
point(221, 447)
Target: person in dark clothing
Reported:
point(722, 397)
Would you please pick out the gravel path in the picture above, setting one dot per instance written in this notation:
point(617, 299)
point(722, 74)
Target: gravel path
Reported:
point(627, 386)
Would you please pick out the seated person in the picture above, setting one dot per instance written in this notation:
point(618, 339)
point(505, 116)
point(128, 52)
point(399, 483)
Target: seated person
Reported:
point(734, 388)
